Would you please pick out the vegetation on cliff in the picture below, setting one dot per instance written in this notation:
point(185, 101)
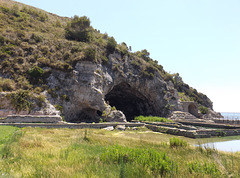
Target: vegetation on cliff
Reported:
point(33, 43)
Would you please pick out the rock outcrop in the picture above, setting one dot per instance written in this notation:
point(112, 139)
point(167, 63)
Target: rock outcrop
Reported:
point(92, 85)
point(7, 108)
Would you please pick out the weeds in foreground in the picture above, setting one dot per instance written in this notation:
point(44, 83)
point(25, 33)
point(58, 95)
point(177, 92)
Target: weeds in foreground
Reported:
point(6, 150)
point(206, 148)
point(203, 168)
point(177, 142)
point(150, 159)
point(98, 153)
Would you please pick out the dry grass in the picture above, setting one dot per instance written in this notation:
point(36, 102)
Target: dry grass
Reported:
point(41, 152)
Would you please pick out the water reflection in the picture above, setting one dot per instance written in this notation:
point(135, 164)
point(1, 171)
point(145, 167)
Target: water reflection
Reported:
point(229, 146)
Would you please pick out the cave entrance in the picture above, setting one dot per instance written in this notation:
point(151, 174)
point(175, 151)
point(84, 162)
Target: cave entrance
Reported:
point(192, 109)
point(128, 100)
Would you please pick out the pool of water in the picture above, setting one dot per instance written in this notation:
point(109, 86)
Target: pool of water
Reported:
point(229, 146)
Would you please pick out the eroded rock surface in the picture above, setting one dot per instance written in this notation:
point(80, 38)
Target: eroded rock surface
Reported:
point(6, 108)
point(92, 85)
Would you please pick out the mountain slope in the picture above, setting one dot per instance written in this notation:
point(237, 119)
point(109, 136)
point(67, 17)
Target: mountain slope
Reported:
point(79, 70)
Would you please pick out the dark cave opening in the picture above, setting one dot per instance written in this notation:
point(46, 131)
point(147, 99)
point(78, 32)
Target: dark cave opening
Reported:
point(128, 100)
point(192, 109)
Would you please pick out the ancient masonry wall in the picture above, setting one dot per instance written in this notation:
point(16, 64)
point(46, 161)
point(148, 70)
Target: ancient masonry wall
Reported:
point(73, 126)
point(195, 133)
point(32, 119)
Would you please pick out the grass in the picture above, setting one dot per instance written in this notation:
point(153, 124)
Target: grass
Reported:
point(176, 142)
point(152, 119)
point(41, 152)
point(6, 134)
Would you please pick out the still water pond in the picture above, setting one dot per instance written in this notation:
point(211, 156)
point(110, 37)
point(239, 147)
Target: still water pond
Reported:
point(230, 146)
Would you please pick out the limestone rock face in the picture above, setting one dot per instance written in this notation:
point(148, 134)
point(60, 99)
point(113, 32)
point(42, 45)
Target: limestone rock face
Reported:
point(212, 115)
point(116, 116)
point(176, 115)
point(91, 89)
point(6, 108)
point(118, 83)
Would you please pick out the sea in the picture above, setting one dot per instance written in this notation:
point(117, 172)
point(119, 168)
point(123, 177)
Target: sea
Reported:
point(229, 146)
point(231, 115)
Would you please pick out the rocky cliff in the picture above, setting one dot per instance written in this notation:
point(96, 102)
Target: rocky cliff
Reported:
point(81, 78)
point(91, 87)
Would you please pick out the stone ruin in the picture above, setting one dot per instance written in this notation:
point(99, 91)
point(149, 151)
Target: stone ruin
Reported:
point(190, 107)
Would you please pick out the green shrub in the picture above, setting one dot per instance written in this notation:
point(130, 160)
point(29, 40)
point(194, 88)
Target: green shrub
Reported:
point(36, 75)
point(111, 45)
point(4, 9)
point(36, 38)
point(15, 11)
point(65, 98)
point(41, 16)
point(43, 61)
point(36, 72)
point(177, 142)
point(44, 50)
point(144, 54)
point(104, 59)
point(59, 107)
point(6, 84)
point(21, 100)
point(2, 40)
point(8, 49)
point(38, 90)
point(123, 49)
point(78, 29)
point(40, 100)
point(146, 74)
point(90, 54)
point(23, 83)
point(58, 24)
point(135, 63)
point(203, 109)
point(152, 119)
point(113, 108)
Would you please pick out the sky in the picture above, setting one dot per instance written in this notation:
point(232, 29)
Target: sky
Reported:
point(199, 39)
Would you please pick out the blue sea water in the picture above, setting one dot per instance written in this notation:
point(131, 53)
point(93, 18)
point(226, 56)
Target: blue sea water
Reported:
point(229, 146)
point(231, 115)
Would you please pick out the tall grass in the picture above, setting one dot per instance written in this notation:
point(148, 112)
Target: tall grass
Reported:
point(157, 162)
point(204, 168)
point(6, 133)
point(7, 148)
point(152, 119)
point(98, 153)
point(177, 142)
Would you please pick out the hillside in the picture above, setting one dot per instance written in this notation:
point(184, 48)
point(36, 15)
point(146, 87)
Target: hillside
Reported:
point(66, 63)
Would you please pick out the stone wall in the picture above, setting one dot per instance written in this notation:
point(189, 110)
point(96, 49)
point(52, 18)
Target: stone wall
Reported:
point(190, 107)
point(224, 121)
point(173, 131)
point(31, 119)
point(195, 133)
point(73, 126)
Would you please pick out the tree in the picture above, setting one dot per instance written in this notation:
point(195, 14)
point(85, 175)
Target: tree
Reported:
point(90, 54)
point(111, 44)
point(78, 29)
point(144, 54)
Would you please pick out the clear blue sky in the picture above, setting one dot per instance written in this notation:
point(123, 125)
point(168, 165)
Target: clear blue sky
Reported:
point(199, 39)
